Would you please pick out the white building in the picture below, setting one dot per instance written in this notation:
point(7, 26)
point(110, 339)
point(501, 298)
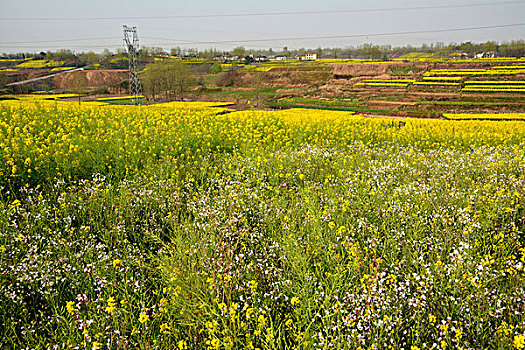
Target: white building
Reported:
point(307, 56)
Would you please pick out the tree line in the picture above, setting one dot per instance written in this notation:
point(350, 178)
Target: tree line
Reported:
point(515, 48)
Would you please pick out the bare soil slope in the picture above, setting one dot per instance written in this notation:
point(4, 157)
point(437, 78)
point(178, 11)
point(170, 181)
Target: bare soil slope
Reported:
point(94, 78)
point(368, 69)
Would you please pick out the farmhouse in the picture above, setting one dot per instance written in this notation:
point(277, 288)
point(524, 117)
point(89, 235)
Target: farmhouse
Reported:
point(307, 57)
point(486, 55)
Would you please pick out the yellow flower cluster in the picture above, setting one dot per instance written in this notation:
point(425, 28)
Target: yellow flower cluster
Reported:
point(111, 305)
point(11, 59)
point(495, 82)
point(39, 97)
point(471, 72)
point(494, 88)
point(70, 306)
point(37, 64)
point(442, 78)
point(440, 83)
point(49, 139)
point(510, 67)
point(61, 68)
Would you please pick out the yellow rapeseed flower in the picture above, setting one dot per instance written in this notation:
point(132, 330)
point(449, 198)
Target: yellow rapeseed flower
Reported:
point(111, 305)
point(143, 318)
point(70, 307)
point(165, 328)
point(519, 341)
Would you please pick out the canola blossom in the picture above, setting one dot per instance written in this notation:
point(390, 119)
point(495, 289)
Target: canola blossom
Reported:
point(43, 140)
point(427, 78)
point(37, 64)
point(193, 226)
point(442, 83)
point(495, 82)
point(493, 88)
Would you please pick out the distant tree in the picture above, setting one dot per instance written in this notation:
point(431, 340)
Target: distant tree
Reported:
point(152, 80)
point(229, 78)
point(78, 84)
point(87, 58)
point(239, 51)
point(192, 52)
point(489, 46)
point(167, 77)
point(144, 52)
point(215, 68)
point(62, 55)
point(180, 77)
point(370, 51)
point(176, 51)
point(121, 52)
point(106, 53)
point(211, 53)
point(467, 47)
point(515, 48)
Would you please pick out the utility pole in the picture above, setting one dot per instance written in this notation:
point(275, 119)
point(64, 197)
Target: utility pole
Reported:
point(131, 41)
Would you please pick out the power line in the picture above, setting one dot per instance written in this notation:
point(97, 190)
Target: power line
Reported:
point(58, 40)
point(62, 46)
point(297, 38)
point(84, 39)
point(183, 41)
point(289, 13)
point(349, 36)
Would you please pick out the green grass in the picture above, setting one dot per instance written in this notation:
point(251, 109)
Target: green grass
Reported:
point(359, 107)
point(470, 103)
point(265, 94)
point(292, 105)
point(327, 103)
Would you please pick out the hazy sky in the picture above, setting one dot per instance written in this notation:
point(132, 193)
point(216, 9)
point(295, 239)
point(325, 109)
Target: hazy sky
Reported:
point(97, 24)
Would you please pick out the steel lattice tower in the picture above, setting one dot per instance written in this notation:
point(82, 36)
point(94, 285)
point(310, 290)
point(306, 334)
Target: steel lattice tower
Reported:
point(131, 40)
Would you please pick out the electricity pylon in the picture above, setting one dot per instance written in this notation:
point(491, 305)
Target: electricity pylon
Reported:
point(131, 40)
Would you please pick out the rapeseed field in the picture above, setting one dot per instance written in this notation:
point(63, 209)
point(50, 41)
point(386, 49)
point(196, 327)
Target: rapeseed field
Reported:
point(189, 226)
